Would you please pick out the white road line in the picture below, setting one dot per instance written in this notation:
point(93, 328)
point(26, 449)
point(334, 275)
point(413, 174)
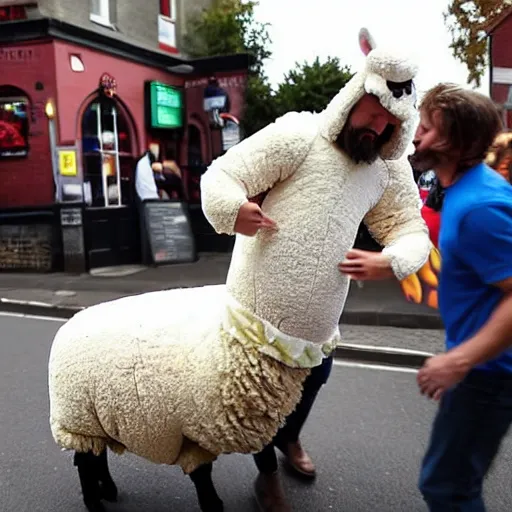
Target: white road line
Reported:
point(33, 317)
point(379, 348)
point(397, 369)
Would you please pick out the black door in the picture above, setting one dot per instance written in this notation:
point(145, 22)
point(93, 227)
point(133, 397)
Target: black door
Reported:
point(112, 236)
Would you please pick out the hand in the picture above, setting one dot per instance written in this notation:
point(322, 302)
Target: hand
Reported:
point(440, 373)
point(366, 265)
point(251, 219)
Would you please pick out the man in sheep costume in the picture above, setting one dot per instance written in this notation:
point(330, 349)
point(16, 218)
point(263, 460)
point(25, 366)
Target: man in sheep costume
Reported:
point(182, 376)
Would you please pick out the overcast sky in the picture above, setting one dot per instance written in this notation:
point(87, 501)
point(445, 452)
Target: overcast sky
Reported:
point(304, 29)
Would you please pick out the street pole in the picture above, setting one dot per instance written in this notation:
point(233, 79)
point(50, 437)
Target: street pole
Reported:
point(50, 114)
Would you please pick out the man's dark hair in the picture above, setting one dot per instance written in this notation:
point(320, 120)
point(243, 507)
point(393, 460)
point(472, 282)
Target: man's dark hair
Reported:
point(469, 121)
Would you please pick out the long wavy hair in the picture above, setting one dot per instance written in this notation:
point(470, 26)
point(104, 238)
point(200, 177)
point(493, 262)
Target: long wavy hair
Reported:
point(468, 122)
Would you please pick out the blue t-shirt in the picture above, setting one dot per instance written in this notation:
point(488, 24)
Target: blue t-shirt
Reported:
point(476, 251)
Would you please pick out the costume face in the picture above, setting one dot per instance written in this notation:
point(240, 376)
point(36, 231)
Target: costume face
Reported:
point(431, 147)
point(368, 128)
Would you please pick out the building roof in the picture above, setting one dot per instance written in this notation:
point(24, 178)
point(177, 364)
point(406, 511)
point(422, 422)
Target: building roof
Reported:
point(494, 23)
point(118, 45)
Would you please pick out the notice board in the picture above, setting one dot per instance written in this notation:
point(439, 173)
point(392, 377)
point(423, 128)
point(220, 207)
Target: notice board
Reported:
point(169, 232)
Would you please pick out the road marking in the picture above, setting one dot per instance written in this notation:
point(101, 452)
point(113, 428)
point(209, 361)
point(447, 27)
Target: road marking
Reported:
point(398, 369)
point(34, 317)
point(381, 348)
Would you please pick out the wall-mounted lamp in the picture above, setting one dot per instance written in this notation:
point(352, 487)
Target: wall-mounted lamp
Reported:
point(49, 109)
point(182, 69)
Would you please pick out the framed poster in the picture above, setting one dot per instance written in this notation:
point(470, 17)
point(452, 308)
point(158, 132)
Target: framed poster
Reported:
point(66, 157)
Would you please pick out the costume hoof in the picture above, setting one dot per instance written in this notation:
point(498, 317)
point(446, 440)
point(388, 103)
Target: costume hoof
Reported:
point(108, 491)
point(94, 506)
point(213, 506)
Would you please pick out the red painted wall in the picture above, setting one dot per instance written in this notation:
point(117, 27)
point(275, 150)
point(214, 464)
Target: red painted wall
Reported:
point(29, 181)
point(75, 89)
point(502, 45)
point(501, 57)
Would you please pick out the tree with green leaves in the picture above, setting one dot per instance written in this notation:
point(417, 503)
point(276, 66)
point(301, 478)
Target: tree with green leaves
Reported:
point(466, 21)
point(310, 87)
point(228, 27)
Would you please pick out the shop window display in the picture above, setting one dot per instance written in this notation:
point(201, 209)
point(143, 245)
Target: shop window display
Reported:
point(107, 152)
point(14, 126)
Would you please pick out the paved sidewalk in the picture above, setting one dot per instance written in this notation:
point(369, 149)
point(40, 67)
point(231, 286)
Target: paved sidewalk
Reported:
point(376, 315)
point(378, 304)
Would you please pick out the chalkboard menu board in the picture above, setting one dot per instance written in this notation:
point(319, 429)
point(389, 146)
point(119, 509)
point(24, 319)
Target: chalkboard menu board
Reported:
point(169, 232)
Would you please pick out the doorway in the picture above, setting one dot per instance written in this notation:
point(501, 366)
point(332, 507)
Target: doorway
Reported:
point(109, 152)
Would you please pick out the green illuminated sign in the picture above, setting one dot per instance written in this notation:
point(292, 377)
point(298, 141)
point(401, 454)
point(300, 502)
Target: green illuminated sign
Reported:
point(166, 106)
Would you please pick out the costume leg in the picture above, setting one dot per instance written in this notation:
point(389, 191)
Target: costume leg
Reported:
point(108, 489)
point(471, 422)
point(209, 500)
point(86, 464)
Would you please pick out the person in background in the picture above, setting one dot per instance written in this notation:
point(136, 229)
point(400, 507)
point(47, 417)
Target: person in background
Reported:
point(431, 193)
point(145, 184)
point(499, 156)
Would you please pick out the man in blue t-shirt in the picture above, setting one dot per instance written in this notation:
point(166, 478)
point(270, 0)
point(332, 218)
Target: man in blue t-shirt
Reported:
point(473, 379)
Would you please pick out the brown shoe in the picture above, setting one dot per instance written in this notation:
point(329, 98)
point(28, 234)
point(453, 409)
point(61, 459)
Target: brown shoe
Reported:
point(269, 494)
point(299, 460)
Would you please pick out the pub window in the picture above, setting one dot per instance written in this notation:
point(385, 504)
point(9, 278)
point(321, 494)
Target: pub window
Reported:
point(168, 8)
point(14, 123)
point(13, 13)
point(102, 12)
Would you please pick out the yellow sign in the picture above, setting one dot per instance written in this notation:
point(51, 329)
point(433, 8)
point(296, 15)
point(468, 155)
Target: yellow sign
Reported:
point(67, 162)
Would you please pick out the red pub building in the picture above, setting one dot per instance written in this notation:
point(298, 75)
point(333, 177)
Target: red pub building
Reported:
point(500, 57)
point(80, 102)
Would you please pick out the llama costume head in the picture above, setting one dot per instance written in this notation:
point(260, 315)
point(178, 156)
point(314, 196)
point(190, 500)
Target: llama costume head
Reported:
point(388, 75)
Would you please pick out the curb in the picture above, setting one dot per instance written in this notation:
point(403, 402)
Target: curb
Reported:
point(388, 319)
point(353, 353)
point(37, 308)
point(381, 355)
point(369, 318)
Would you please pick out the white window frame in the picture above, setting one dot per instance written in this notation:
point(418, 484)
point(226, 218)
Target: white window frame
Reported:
point(173, 7)
point(103, 16)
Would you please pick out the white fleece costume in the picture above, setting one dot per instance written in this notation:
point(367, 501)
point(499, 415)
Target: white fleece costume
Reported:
point(181, 376)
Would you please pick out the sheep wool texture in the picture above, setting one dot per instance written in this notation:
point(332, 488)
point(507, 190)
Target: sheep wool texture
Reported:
point(182, 376)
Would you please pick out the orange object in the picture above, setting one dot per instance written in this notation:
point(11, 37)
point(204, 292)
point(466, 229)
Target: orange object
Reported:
point(421, 288)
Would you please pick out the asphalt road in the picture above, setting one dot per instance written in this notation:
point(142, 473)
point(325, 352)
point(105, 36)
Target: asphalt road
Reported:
point(367, 434)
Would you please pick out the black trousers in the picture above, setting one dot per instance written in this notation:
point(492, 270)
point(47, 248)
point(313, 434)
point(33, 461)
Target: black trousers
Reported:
point(266, 460)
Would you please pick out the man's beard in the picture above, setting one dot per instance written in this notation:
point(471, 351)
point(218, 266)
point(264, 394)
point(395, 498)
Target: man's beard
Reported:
point(422, 161)
point(361, 148)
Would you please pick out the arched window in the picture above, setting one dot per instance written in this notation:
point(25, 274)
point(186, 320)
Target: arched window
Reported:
point(14, 122)
point(107, 152)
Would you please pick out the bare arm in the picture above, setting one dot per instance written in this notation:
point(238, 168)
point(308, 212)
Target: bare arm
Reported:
point(494, 338)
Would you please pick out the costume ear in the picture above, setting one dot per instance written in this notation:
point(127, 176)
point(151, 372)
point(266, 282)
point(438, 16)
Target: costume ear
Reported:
point(366, 41)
